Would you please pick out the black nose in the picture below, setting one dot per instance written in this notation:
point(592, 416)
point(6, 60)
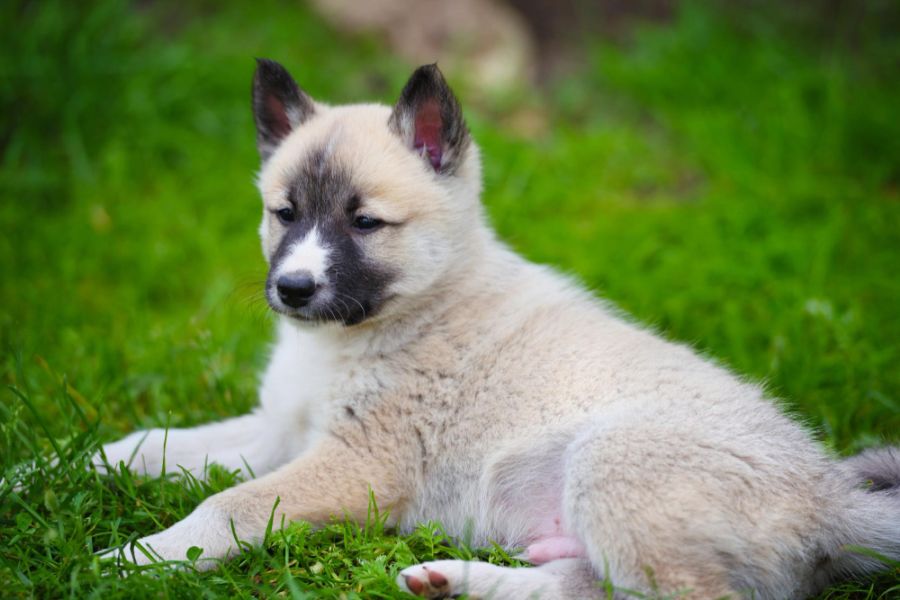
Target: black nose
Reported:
point(295, 290)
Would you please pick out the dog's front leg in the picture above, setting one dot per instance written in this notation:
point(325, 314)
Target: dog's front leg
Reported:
point(254, 443)
point(332, 479)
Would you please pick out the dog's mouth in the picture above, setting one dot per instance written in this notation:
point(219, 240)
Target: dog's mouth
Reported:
point(295, 314)
point(322, 318)
point(325, 310)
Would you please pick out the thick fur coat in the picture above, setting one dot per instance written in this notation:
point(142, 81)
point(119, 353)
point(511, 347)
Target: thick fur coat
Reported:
point(419, 357)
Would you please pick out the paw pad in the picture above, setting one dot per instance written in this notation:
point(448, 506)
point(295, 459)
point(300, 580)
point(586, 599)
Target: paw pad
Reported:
point(414, 585)
point(425, 582)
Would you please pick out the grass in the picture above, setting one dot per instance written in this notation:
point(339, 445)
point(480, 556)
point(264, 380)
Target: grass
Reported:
point(730, 178)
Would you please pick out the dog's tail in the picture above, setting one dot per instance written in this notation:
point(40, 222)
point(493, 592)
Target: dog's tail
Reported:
point(877, 469)
point(870, 536)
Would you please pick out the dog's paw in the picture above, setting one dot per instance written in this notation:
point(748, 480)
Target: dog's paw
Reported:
point(452, 578)
point(203, 539)
point(130, 555)
point(140, 451)
point(428, 580)
point(25, 474)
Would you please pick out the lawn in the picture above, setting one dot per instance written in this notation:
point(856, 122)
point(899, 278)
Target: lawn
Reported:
point(730, 177)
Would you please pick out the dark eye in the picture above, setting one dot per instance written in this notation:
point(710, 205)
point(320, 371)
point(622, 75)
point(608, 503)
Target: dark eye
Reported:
point(285, 215)
point(365, 223)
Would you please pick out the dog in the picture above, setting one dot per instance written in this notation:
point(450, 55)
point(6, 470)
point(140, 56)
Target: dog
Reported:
point(420, 359)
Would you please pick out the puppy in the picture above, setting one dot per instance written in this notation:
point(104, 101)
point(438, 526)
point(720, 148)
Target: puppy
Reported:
point(420, 358)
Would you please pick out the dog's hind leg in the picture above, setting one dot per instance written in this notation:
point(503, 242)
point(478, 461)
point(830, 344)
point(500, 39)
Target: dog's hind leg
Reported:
point(248, 443)
point(564, 579)
point(671, 510)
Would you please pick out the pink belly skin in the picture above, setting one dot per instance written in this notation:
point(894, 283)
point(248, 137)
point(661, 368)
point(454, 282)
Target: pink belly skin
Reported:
point(552, 548)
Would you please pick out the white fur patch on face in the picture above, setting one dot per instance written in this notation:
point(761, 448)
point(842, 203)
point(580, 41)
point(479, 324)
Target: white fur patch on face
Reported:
point(308, 255)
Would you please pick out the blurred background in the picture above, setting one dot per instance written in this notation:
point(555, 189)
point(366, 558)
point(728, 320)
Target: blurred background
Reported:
point(726, 171)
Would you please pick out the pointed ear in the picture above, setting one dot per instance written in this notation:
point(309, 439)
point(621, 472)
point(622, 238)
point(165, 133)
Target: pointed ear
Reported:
point(429, 120)
point(279, 105)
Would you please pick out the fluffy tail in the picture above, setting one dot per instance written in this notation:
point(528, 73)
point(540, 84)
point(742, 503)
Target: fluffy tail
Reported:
point(872, 520)
point(877, 469)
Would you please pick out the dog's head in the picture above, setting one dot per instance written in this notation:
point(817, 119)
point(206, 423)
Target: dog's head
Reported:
point(365, 206)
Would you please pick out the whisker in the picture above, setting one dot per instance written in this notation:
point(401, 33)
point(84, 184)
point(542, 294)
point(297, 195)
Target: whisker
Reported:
point(361, 307)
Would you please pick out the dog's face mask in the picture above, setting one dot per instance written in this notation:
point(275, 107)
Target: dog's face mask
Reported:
point(366, 208)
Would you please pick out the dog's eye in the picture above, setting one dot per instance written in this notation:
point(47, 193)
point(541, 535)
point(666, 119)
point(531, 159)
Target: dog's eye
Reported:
point(285, 215)
point(365, 223)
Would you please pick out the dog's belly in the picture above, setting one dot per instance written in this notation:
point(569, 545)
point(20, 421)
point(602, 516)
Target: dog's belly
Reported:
point(449, 495)
point(536, 523)
point(511, 495)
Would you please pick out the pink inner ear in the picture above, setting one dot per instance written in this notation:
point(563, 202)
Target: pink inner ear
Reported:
point(428, 132)
point(279, 122)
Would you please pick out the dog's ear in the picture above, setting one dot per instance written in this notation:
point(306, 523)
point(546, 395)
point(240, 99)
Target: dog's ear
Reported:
point(279, 105)
point(429, 120)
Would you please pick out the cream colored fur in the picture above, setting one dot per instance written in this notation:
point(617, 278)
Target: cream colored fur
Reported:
point(501, 398)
